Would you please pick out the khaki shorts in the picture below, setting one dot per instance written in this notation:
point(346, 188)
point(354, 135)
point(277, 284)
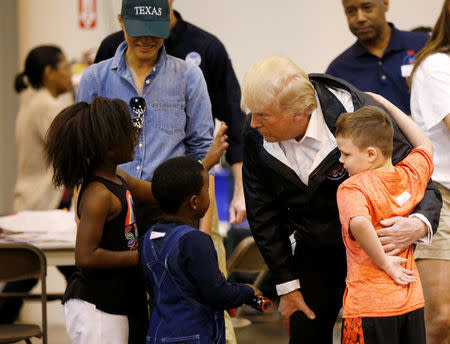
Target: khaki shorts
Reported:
point(440, 246)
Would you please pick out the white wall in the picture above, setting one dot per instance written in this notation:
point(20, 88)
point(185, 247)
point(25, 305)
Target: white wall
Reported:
point(8, 102)
point(56, 22)
point(310, 32)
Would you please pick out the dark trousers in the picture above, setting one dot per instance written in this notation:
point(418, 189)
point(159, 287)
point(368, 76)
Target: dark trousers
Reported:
point(407, 328)
point(10, 308)
point(322, 278)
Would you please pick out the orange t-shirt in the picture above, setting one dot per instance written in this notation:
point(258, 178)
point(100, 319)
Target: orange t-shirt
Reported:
point(379, 195)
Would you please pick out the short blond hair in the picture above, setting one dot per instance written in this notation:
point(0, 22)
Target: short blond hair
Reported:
point(278, 81)
point(367, 126)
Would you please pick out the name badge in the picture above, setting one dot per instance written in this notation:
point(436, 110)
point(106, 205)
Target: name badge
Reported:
point(194, 58)
point(403, 198)
point(406, 70)
point(157, 235)
point(408, 63)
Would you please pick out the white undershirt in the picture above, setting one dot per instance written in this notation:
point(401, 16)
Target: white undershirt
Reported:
point(304, 156)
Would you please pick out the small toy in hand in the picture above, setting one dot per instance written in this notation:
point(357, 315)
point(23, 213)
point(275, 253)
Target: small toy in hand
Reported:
point(260, 303)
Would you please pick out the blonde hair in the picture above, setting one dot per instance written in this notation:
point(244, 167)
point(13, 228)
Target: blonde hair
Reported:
point(367, 126)
point(278, 81)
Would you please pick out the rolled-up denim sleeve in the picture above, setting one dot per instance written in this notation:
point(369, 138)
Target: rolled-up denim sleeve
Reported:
point(199, 124)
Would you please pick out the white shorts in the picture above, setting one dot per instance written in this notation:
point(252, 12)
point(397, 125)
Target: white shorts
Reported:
point(85, 324)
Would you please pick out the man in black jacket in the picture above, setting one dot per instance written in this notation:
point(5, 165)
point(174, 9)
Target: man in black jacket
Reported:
point(291, 174)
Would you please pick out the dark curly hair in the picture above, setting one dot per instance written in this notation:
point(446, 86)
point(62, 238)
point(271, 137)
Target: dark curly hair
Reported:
point(81, 135)
point(175, 180)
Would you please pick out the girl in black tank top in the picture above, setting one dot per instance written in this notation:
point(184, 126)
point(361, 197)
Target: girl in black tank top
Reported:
point(85, 143)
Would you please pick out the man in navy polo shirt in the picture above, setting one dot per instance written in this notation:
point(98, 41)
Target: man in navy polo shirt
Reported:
point(382, 58)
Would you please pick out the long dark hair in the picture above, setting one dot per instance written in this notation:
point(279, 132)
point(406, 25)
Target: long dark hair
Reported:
point(81, 135)
point(35, 63)
point(439, 41)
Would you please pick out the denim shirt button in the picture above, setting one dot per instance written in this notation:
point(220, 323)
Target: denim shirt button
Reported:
point(147, 81)
point(138, 168)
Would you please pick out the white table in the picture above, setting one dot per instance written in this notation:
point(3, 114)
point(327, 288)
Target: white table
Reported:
point(53, 231)
point(57, 253)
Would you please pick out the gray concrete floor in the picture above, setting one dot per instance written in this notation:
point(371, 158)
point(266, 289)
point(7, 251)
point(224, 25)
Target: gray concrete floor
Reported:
point(268, 328)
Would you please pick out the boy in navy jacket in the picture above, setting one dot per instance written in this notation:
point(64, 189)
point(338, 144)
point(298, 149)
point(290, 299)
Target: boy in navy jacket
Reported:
point(180, 262)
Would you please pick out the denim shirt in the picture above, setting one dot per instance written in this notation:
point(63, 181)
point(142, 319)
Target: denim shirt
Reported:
point(178, 119)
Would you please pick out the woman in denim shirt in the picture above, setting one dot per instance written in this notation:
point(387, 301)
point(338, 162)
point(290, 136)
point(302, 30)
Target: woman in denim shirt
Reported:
point(167, 94)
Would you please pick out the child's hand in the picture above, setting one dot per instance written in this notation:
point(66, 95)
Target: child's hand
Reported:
point(397, 272)
point(380, 99)
point(255, 290)
point(218, 146)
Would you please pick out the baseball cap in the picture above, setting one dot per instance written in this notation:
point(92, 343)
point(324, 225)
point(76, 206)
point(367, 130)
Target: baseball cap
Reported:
point(146, 18)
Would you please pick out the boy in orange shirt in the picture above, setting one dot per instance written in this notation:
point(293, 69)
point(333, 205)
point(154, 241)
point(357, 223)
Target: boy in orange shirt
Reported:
point(383, 301)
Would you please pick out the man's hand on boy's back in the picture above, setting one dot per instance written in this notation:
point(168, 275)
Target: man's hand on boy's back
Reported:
point(400, 232)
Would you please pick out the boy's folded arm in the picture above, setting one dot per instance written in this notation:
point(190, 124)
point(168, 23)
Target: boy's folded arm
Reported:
point(364, 233)
point(367, 238)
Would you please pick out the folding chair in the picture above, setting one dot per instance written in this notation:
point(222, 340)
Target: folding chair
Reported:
point(20, 261)
point(247, 258)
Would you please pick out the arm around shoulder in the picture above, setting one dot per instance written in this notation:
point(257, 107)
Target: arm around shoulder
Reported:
point(409, 128)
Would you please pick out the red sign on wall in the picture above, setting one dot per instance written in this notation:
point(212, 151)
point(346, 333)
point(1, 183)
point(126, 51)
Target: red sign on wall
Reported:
point(87, 13)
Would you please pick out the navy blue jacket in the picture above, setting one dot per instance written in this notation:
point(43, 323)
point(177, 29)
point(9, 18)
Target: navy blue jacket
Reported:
point(189, 292)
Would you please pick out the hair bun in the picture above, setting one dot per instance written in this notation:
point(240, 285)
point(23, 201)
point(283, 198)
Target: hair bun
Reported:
point(21, 82)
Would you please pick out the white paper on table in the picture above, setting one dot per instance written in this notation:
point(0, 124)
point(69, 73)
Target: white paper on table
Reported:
point(51, 222)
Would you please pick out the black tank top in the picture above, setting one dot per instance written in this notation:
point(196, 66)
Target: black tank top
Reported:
point(114, 291)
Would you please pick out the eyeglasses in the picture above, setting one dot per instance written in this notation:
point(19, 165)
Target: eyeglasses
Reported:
point(139, 107)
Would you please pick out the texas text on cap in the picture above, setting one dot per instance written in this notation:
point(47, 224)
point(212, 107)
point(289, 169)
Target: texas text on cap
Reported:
point(146, 18)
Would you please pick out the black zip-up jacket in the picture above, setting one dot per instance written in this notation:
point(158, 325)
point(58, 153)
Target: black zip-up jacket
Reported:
point(278, 203)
